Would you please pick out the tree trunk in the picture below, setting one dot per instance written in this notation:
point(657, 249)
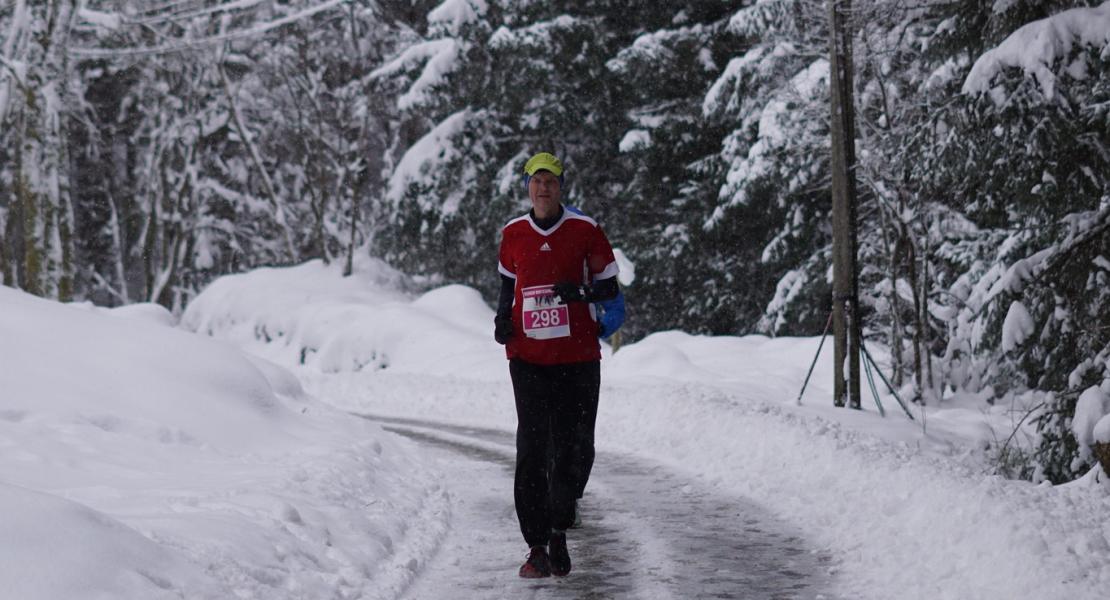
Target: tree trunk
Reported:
point(914, 285)
point(150, 246)
point(31, 276)
point(355, 215)
point(120, 254)
point(13, 230)
point(38, 136)
point(923, 320)
point(846, 317)
point(5, 239)
point(897, 330)
point(66, 284)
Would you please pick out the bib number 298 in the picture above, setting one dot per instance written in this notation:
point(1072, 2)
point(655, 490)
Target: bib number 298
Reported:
point(552, 317)
point(545, 316)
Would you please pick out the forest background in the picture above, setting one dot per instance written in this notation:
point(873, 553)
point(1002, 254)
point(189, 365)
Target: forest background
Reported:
point(148, 147)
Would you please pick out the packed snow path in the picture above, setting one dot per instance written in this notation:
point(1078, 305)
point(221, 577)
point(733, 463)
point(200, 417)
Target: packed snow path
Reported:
point(647, 532)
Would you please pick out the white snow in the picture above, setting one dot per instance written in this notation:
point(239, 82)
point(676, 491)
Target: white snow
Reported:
point(635, 139)
point(201, 469)
point(440, 57)
point(627, 269)
point(250, 29)
point(1017, 326)
point(143, 461)
point(1091, 407)
point(788, 287)
point(434, 151)
point(1037, 46)
point(106, 20)
point(771, 139)
point(452, 15)
point(1013, 280)
point(1101, 433)
point(730, 89)
point(713, 98)
point(655, 48)
point(536, 36)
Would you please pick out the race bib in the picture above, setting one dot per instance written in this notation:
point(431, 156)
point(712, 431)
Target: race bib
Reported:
point(545, 316)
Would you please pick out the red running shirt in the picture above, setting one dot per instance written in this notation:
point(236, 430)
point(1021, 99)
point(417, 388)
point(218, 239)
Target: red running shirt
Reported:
point(546, 331)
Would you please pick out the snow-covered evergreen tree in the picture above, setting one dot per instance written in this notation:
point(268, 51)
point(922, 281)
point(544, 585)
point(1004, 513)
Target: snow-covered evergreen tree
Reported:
point(1033, 122)
point(433, 219)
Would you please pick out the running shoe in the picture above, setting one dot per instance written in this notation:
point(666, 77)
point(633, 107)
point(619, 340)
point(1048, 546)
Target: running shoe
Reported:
point(538, 564)
point(560, 558)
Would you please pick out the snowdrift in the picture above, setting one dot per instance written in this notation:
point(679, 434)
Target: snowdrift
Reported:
point(143, 461)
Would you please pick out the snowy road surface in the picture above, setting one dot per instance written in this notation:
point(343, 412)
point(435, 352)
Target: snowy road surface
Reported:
point(647, 532)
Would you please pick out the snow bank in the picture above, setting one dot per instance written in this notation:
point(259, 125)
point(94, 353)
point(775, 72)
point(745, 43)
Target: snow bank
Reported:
point(316, 317)
point(100, 371)
point(53, 548)
point(142, 461)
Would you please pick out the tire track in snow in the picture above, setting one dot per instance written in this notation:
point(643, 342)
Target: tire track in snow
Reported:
point(648, 532)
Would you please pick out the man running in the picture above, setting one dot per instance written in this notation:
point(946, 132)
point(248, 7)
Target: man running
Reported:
point(553, 265)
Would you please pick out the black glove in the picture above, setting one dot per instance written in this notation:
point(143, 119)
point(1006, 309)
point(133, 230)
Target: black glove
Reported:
point(502, 329)
point(570, 292)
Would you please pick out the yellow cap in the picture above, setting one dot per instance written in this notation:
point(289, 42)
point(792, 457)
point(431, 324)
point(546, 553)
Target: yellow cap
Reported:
point(543, 162)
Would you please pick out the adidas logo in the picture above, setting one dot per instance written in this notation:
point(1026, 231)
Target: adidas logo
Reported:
point(545, 248)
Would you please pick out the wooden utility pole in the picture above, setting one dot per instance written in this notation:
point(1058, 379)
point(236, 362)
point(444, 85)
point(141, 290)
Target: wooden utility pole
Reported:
point(846, 327)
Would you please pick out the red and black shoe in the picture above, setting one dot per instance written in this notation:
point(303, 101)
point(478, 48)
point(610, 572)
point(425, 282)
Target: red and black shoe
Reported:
point(538, 564)
point(560, 558)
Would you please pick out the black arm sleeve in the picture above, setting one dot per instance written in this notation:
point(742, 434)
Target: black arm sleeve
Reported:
point(505, 297)
point(602, 290)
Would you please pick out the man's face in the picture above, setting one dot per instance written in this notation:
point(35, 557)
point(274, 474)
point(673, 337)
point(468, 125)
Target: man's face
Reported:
point(543, 189)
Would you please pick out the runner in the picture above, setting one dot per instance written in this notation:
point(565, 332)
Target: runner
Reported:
point(553, 264)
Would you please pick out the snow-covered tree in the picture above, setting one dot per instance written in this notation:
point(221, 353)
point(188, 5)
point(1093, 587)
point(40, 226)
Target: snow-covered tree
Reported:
point(208, 134)
point(1026, 160)
point(434, 219)
point(35, 98)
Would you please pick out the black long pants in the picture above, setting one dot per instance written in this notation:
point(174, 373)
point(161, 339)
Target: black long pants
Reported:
point(556, 408)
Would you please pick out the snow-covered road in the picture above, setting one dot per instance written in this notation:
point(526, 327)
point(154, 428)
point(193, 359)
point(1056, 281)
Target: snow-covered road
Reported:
point(648, 532)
